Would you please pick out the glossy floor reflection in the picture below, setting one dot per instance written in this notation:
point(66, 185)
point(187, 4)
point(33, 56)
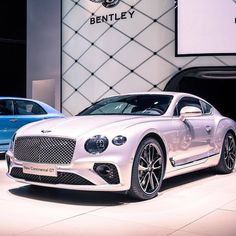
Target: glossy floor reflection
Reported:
point(200, 203)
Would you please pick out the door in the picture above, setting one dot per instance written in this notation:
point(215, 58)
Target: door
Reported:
point(194, 134)
point(27, 111)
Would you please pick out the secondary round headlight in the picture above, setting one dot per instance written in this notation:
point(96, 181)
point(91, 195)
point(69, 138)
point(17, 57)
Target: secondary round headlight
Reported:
point(96, 144)
point(119, 140)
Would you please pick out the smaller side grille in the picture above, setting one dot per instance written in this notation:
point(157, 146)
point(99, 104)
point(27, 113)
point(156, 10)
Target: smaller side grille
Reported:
point(108, 172)
point(62, 178)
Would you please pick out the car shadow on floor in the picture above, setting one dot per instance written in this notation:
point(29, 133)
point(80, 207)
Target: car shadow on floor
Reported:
point(86, 198)
point(187, 178)
point(71, 197)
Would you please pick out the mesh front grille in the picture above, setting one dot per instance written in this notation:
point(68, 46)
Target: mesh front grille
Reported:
point(50, 150)
point(62, 178)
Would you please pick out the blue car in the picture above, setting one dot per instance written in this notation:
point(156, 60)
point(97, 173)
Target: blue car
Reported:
point(16, 112)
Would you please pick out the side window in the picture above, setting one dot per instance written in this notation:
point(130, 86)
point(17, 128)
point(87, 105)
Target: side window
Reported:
point(187, 101)
point(6, 107)
point(207, 109)
point(28, 108)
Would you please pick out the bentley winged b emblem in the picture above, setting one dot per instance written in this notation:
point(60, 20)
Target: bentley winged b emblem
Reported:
point(46, 131)
point(107, 3)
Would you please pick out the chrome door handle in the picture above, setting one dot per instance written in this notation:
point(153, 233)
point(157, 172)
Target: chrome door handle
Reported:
point(13, 120)
point(208, 129)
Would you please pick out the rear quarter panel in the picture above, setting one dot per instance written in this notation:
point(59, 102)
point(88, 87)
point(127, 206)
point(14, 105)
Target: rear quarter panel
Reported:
point(223, 125)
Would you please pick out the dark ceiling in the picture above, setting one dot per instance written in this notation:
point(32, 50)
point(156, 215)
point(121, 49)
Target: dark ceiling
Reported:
point(13, 20)
point(13, 48)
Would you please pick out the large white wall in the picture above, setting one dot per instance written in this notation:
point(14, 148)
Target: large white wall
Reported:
point(135, 54)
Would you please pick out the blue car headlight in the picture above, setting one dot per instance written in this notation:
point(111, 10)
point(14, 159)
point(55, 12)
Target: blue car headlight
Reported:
point(12, 142)
point(96, 144)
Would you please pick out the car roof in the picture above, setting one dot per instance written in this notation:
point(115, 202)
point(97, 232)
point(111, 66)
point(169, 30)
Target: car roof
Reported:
point(47, 107)
point(19, 98)
point(24, 99)
point(175, 94)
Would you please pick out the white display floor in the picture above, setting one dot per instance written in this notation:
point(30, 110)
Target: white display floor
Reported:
point(191, 205)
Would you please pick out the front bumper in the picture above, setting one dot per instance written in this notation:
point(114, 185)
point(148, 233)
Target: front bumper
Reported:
point(80, 174)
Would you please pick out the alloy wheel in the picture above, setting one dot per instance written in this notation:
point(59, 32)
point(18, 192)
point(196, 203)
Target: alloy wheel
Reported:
point(150, 168)
point(229, 152)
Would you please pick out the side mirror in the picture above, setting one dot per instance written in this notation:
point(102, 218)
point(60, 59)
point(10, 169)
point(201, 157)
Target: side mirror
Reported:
point(189, 111)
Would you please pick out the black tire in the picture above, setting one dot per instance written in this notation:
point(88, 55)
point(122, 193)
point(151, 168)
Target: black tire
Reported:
point(148, 170)
point(228, 155)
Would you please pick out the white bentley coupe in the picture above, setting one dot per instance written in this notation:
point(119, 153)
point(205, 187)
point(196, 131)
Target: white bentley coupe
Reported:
point(126, 143)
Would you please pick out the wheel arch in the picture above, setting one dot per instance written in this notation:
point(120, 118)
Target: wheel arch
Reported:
point(224, 125)
point(160, 141)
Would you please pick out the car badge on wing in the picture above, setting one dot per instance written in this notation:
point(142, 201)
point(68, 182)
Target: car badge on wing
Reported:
point(46, 131)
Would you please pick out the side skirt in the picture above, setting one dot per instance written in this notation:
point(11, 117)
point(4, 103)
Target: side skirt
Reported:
point(190, 160)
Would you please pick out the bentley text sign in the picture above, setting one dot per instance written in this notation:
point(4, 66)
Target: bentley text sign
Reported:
point(112, 17)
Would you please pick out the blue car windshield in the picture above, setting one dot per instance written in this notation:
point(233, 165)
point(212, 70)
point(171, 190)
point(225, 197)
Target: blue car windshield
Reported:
point(130, 105)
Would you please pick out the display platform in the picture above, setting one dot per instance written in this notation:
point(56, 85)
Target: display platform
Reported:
point(195, 204)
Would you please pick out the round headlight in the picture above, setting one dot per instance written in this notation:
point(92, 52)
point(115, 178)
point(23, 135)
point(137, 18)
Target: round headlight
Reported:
point(119, 140)
point(96, 144)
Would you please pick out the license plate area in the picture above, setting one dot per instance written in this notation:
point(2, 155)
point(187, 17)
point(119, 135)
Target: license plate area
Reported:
point(40, 169)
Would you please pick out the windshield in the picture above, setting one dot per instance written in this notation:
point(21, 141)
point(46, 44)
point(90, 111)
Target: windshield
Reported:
point(130, 105)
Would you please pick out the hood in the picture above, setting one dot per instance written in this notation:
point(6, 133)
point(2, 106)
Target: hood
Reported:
point(79, 125)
